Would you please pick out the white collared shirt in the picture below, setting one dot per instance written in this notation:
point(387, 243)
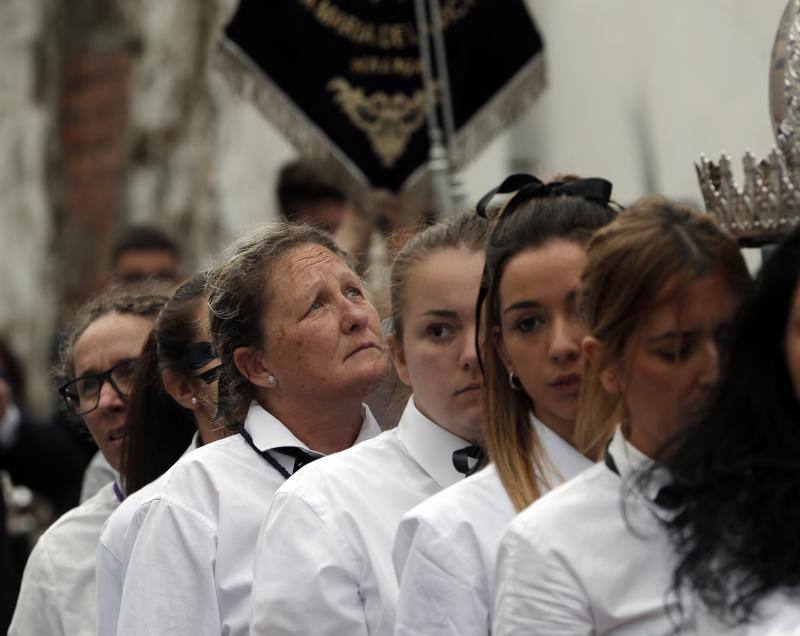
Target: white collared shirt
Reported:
point(777, 615)
point(323, 561)
point(114, 551)
point(97, 474)
point(58, 588)
point(445, 548)
point(573, 564)
point(190, 570)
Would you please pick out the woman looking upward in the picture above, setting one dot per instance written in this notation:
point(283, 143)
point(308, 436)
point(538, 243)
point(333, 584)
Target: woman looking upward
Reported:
point(301, 347)
point(343, 582)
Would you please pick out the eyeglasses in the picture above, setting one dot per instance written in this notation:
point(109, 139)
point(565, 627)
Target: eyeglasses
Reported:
point(211, 375)
point(82, 395)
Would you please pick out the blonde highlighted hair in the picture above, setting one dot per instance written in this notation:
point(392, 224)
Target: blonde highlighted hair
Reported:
point(650, 244)
point(510, 439)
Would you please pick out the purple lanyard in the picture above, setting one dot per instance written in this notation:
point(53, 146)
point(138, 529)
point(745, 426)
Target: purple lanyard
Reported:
point(118, 492)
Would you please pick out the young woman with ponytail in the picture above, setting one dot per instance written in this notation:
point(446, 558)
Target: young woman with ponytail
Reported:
point(529, 341)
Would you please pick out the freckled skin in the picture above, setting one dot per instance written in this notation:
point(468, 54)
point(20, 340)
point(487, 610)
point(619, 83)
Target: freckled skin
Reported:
point(317, 317)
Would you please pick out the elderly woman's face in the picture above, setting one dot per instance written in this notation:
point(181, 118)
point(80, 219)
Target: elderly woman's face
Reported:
point(323, 338)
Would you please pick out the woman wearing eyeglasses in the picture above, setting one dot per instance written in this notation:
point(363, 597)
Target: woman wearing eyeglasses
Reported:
point(530, 347)
point(173, 404)
point(98, 361)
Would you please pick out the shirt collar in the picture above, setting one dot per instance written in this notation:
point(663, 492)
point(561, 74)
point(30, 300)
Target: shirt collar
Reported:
point(563, 457)
point(429, 445)
point(269, 432)
point(630, 461)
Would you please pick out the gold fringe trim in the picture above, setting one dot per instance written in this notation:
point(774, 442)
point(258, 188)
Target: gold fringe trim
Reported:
point(502, 110)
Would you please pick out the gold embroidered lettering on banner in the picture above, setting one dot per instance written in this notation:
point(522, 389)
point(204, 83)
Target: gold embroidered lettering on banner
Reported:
point(374, 65)
point(388, 120)
point(384, 36)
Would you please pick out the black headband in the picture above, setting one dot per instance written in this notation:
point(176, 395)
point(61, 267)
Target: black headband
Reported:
point(199, 354)
point(528, 187)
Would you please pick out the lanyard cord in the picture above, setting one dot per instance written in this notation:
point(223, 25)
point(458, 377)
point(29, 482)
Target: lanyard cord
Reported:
point(265, 454)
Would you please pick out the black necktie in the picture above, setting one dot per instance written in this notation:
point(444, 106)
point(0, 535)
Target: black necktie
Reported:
point(668, 496)
point(462, 457)
point(301, 457)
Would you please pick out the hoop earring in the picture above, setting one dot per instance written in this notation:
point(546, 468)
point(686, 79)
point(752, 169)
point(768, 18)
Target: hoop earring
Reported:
point(514, 382)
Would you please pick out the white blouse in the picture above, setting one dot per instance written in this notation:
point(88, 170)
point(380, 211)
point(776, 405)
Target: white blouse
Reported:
point(444, 552)
point(190, 569)
point(323, 561)
point(777, 615)
point(58, 588)
point(573, 563)
point(114, 551)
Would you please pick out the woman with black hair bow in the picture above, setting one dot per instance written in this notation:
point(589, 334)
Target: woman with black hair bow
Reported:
point(173, 404)
point(529, 342)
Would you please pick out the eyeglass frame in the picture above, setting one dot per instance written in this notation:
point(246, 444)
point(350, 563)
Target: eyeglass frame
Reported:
point(64, 391)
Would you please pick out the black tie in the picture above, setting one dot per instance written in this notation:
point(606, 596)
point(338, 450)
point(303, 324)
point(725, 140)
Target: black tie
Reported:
point(301, 457)
point(462, 457)
point(669, 496)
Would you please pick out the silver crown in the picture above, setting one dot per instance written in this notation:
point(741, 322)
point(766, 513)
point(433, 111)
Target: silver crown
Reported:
point(767, 206)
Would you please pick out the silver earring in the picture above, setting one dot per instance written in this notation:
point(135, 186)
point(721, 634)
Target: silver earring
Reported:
point(195, 401)
point(271, 379)
point(514, 382)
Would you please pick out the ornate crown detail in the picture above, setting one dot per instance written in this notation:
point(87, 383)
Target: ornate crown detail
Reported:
point(767, 207)
point(764, 209)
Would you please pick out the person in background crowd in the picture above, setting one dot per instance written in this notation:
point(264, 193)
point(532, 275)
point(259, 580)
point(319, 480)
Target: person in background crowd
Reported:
point(143, 252)
point(308, 193)
point(43, 458)
point(98, 360)
point(301, 347)
point(343, 582)
point(530, 339)
point(736, 472)
point(659, 287)
point(173, 405)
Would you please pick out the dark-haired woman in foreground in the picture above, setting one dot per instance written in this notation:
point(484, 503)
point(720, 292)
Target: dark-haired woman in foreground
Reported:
point(737, 534)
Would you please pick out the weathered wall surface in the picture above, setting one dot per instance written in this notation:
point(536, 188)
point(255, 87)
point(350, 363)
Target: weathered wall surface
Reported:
point(636, 94)
point(26, 127)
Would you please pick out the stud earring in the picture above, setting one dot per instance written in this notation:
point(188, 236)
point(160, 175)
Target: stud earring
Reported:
point(271, 379)
point(195, 401)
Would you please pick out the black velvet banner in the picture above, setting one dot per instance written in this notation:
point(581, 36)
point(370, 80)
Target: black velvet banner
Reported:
point(352, 69)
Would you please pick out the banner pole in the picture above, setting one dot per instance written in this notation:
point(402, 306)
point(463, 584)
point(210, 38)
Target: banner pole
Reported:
point(438, 159)
point(445, 94)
